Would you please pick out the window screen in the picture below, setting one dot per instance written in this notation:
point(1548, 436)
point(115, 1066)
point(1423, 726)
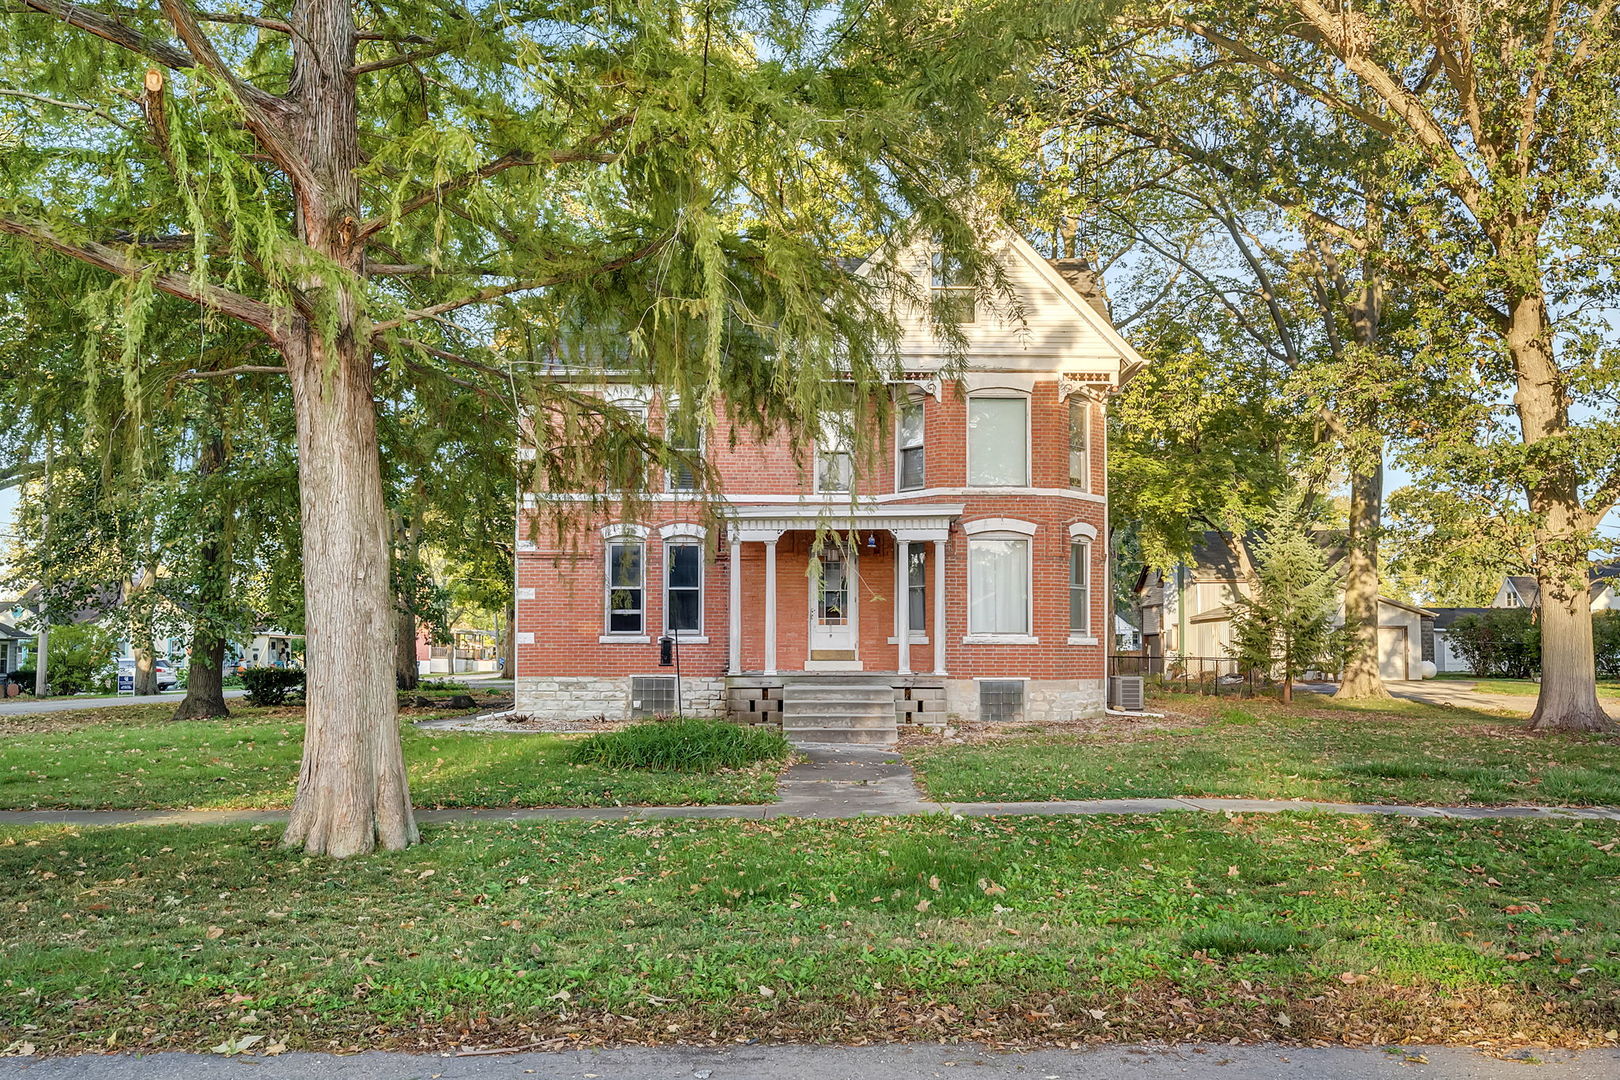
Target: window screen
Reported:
point(998, 441)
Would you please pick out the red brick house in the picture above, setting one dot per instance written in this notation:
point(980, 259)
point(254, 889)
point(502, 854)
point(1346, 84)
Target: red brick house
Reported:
point(971, 577)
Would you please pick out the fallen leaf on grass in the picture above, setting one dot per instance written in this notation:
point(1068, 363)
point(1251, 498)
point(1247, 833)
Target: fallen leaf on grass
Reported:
point(18, 1049)
point(214, 932)
point(232, 1047)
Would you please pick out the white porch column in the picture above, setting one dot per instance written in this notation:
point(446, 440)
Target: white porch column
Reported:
point(770, 606)
point(939, 607)
point(902, 600)
point(734, 606)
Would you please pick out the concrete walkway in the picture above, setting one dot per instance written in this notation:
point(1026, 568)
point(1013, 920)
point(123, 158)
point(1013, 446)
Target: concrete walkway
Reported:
point(913, 1061)
point(831, 782)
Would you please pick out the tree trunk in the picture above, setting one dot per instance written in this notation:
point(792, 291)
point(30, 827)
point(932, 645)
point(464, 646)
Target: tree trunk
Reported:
point(1361, 675)
point(352, 791)
point(509, 644)
point(145, 669)
point(406, 669)
point(1568, 699)
point(205, 679)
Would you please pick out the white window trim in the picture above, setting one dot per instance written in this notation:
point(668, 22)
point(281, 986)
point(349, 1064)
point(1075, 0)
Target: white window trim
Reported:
point(979, 526)
point(685, 541)
point(907, 400)
point(622, 535)
point(684, 530)
point(625, 639)
point(1082, 528)
point(1011, 529)
point(1007, 394)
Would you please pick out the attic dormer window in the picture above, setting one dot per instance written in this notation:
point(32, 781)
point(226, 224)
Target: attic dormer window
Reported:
point(953, 290)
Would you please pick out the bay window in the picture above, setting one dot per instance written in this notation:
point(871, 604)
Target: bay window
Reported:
point(1080, 588)
point(998, 585)
point(1079, 444)
point(998, 441)
point(835, 462)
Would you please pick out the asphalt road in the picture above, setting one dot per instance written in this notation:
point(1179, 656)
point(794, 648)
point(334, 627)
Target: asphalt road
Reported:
point(27, 706)
point(914, 1062)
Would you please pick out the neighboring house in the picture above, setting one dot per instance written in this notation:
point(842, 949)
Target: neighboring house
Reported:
point(1438, 648)
point(1127, 635)
point(965, 570)
point(271, 648)
point(470, 649)
point(1188, 612)
point(14, 644)
point(1523, 591)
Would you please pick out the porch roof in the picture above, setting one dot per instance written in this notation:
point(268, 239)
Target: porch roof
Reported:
point(913, 522)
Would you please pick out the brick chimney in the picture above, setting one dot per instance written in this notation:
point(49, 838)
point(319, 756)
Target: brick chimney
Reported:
point(1085, 281)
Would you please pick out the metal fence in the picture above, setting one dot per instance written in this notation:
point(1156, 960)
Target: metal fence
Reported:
point(1212, 676)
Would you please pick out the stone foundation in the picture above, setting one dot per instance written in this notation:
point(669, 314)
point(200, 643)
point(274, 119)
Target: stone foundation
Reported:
point(1045, 700)
point(586, 697)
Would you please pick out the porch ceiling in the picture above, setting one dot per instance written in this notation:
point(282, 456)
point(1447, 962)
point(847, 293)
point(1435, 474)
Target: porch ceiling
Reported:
point(916, 522)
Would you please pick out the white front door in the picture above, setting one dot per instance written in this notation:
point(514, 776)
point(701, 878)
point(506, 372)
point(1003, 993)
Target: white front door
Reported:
point(832, 615)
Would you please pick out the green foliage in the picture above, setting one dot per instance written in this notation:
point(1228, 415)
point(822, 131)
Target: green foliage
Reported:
point(1450, 548)
point(1231, 938)
point(23, 677)
point(1286, 625)
point(1606, 643)
point(1503, 642)
point(685, 745)
point(81, 657)
point(271, 686)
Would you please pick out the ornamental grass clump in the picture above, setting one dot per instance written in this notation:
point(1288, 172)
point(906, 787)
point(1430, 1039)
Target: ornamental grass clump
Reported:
point(683, 745)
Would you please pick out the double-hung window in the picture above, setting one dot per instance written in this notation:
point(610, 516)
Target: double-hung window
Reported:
point(685, 436)
point(914, 588)
point(1080, 588)
point(912, 468)
point(835, 460)
point(998, 441)
point(626, 587)
point(953, 290)
point(1079, 443)
point(998, 584)
point(683, 587)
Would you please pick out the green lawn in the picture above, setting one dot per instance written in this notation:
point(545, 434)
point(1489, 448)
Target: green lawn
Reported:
point(136, 759)
point(1398, 751)
point(1298, 927)
point(1606, 688)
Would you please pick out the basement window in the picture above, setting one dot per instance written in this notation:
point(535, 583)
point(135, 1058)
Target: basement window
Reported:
point(652, 695)
point(1001, 700)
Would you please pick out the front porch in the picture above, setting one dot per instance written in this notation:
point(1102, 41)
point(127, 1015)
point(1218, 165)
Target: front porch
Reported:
point(874, 595)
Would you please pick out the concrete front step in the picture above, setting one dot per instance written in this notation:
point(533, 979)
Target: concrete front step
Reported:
point(866, 736)
point(838, 711)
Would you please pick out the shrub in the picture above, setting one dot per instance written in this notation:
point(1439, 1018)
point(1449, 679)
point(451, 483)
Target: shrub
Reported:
point(81, 657)
point(687, 745)
point(1503, 643)
point(24, 677)
point(272, 685)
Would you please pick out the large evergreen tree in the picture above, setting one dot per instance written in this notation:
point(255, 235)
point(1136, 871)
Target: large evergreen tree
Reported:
point(365, 182)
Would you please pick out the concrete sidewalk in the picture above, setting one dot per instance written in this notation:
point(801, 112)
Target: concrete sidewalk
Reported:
point(913, 1061)
point(831, 782)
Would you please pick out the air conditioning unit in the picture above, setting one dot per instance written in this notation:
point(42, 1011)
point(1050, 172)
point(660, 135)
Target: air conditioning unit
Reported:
point(1126, 693)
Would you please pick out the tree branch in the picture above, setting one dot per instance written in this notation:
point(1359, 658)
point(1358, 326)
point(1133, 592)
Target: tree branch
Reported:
point(259, 315)
point(94, 22)
point(478, 175)
point(240, 369)
point(402, 58)
point(495, 292)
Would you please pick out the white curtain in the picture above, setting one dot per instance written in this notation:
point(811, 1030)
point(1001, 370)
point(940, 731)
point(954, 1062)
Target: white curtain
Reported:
point(998, 441)
point(998, 586)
